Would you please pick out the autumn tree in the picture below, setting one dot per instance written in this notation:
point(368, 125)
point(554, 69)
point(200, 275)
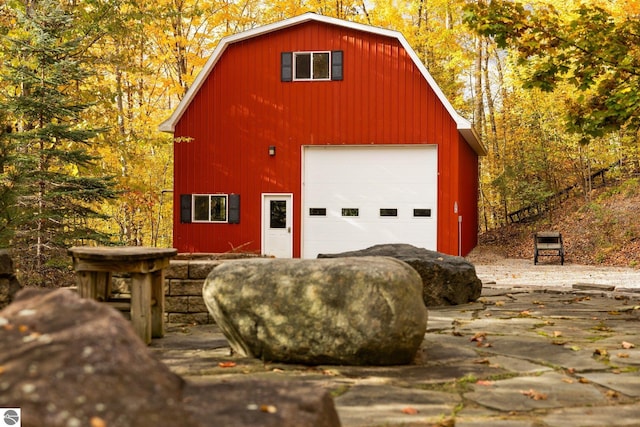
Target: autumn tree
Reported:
point(52, 188)
point(589, 48)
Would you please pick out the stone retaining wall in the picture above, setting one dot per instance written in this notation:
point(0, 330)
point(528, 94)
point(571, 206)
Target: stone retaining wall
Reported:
point(184, 280)
point(183, 291)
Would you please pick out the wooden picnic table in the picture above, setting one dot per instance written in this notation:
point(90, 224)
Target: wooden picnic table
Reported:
point(94, 266)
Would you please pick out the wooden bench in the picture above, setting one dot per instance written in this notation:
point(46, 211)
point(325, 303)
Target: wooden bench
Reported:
point(94, 267)
point(548, 243)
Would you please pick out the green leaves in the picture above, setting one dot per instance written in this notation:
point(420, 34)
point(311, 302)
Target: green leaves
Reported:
point(589, 48)
point(49, 194)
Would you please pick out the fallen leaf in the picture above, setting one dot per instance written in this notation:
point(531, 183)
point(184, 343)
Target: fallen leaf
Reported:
point(613, 394)
point(535, 395)
point(479, 336)
point(499, 303)
point(97, 422)
point(571, 370)
point(614, 313)
point(481, 361)
point(600, 352)
point(277, 370)
point(484, 383)
point(227, 364)
point(627, 345)
point(409, 410)
point(567, 380)
point(584, 381)
point(456, 333)
point(270, 409)
point(525, 313)
point(623, 355)
point(557, 334)
point(23, 328)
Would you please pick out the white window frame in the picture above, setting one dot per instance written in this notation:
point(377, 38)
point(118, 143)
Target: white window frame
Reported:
point(311, 79)
point(210, 196)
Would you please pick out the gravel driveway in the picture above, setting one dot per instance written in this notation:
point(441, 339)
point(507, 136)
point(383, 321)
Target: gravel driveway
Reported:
point(498, 271)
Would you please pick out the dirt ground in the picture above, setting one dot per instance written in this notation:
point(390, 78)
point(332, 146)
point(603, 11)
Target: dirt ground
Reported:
point(497, 270)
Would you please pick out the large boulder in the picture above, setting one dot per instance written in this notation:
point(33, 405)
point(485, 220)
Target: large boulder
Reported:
point(67, 361)
point(352, 311)
point(446, 279)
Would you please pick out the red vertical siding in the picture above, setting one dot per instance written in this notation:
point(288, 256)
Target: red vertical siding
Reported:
point(468, 190)
point(243, 108)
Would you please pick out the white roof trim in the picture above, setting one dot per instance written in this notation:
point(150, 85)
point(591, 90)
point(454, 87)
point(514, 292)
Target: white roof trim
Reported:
point(463, 125)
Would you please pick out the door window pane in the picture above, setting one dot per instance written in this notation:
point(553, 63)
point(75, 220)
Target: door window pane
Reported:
point(278, 214)
point(317, 211)
point(422, 212)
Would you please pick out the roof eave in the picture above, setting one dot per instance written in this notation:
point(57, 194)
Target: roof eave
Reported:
point(470, 135)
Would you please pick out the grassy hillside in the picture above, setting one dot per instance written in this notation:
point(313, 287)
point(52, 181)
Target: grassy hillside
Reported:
point(604, 230)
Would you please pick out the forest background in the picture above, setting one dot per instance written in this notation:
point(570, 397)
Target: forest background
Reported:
point(552, 89)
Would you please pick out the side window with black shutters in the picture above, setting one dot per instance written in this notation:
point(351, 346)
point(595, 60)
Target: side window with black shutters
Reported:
point(223, 208)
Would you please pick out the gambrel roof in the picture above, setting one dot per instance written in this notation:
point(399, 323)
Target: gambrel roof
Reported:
point(463, 125)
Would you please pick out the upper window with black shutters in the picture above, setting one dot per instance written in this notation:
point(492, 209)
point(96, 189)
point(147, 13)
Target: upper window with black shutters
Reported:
point(311, 66)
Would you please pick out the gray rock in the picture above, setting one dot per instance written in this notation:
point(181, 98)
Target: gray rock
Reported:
point(68, 361)
point(351, 311)
point(261, 403)
point(9, 284)
point(447, 280)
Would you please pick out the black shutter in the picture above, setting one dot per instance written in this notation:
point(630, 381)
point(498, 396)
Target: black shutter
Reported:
point(185, 208)
point(336, 65)
point(286, 69)
point(234, 209)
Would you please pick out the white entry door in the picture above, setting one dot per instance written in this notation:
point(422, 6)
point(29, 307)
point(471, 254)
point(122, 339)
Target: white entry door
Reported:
point(277, 225)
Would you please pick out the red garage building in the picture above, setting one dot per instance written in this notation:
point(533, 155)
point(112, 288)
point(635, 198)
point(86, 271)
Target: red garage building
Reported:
point(317, 135)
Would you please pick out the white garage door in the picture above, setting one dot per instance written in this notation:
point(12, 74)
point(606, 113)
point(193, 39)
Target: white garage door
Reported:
point(358, 196)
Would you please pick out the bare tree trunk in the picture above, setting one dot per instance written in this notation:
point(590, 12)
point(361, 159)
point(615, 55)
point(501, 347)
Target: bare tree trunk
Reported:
point(490, 107)
point(478, 116)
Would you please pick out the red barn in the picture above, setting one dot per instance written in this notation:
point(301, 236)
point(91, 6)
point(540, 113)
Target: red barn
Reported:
point(315, 135)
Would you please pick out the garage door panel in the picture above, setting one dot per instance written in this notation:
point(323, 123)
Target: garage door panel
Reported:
point(368, 179)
